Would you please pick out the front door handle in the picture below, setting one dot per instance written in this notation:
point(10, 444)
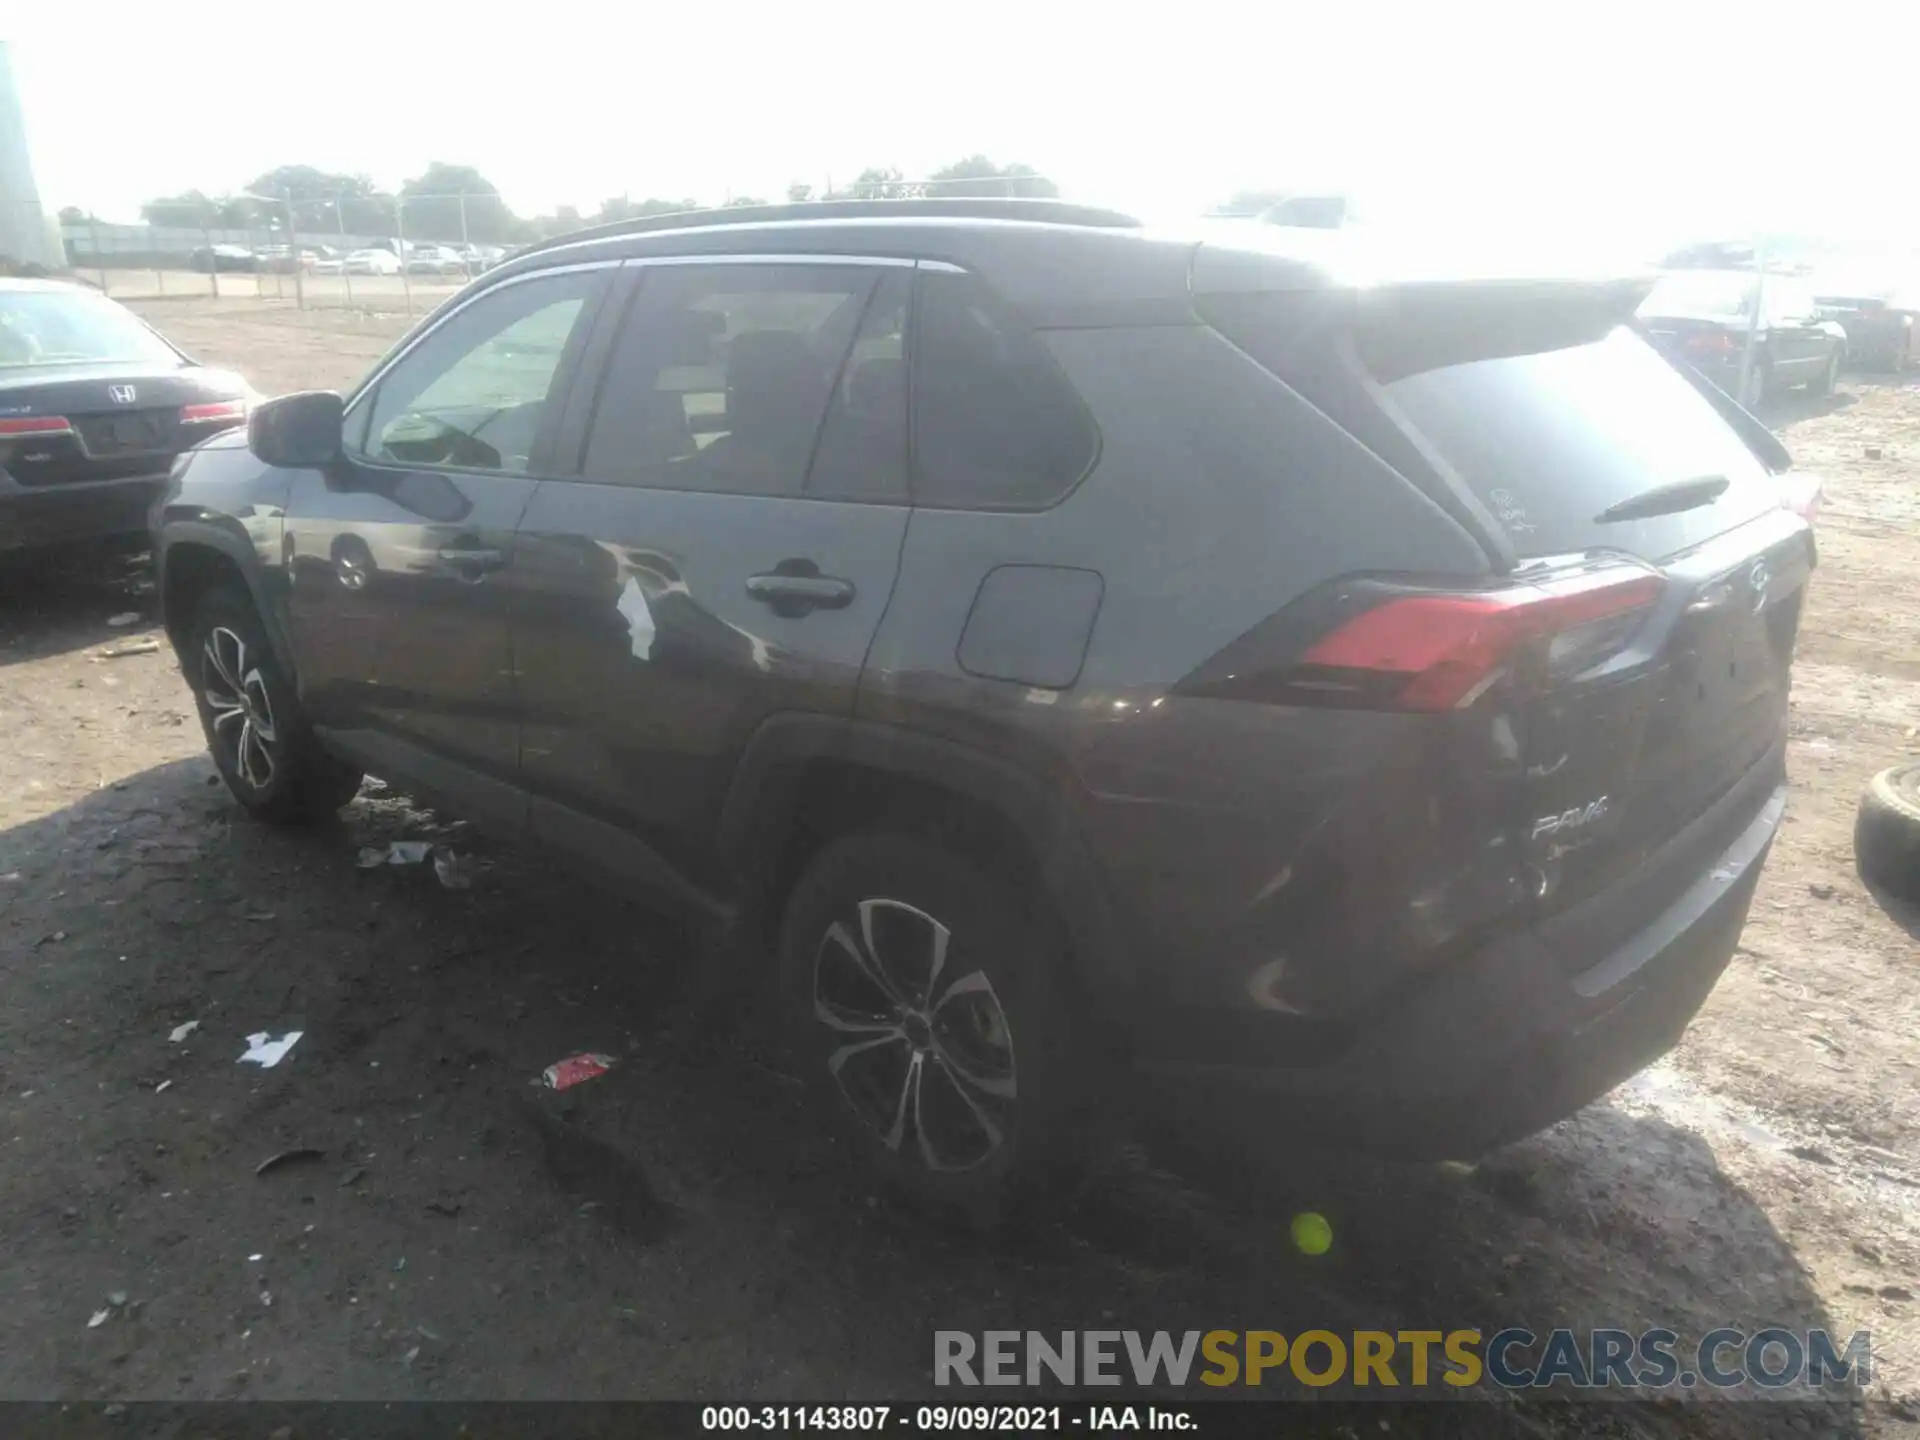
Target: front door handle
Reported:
point(472, 563)
point(792, 595)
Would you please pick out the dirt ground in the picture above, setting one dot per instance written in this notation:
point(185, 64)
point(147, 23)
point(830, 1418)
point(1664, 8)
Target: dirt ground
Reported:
point(687, 1233)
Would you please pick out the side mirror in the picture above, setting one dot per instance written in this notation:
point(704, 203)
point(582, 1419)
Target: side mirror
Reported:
point(300, 431)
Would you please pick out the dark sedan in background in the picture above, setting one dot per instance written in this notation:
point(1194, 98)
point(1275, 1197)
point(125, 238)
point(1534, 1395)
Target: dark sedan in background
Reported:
point(1704, 316)
point(1878, 316)
point(94, 406)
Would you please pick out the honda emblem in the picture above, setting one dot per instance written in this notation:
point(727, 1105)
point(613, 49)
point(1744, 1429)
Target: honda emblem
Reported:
point(120, 394)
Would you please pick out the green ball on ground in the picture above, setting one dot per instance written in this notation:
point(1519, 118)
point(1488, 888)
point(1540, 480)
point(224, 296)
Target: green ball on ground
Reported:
point(1312, 1234)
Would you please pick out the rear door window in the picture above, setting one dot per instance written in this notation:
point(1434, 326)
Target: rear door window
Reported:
point(721, 375)
point(996, 425)
point(862, 450)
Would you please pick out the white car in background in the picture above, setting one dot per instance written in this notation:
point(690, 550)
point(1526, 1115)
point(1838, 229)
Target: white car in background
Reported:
point(373, 262)
point(435, 260)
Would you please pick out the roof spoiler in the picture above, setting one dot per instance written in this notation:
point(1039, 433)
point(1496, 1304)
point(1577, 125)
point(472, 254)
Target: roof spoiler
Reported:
point(1405, 329)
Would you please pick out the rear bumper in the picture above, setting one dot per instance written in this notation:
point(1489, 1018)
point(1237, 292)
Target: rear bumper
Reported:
point(1500, 1045)
point(33, 518)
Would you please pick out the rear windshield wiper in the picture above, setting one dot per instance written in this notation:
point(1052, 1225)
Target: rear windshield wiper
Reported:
point(1668, 499)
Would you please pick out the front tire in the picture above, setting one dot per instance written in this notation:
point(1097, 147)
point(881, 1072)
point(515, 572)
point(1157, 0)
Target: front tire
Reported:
point(921, 995)
point(256, 731)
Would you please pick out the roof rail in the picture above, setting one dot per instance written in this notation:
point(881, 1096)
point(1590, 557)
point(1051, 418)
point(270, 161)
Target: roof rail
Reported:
point(1052, 212)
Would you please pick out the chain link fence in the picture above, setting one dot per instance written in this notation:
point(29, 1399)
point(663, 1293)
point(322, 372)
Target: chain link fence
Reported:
point(300, 252)
point(366, 252)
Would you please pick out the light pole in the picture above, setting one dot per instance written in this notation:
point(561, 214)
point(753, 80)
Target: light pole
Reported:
point(293, 239)
point(1749, 356)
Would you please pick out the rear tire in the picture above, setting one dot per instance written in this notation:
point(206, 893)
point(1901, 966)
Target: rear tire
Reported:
point(258, 735)
point(1829, 380)
point(922, 1000)
point(1886, 832)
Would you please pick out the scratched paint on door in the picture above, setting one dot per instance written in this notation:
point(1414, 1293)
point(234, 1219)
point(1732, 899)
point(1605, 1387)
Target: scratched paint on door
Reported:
point(633, 608)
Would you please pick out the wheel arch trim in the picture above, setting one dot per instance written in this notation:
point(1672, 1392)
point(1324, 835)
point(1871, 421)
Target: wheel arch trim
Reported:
point(207, 534)
point(760, 805)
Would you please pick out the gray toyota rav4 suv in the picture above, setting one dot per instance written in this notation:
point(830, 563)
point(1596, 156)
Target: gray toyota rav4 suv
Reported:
point(1346, 696)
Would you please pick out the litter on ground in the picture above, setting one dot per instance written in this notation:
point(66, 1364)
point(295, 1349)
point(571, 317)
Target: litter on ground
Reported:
point(288, 1157)
point(564, 1074)
point(454, 873)
point(135, 647)
point(180, 1032)
point(266, 1052)
point(395, 852)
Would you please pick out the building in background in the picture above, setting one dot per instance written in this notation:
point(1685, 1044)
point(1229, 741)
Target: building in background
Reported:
point(28, 235)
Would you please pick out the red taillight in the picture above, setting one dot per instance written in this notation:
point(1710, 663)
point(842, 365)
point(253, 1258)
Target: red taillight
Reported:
point(37, 425)
point(1804, 494)
point(1443, 651)
point(213, 410)
point(1711, 344)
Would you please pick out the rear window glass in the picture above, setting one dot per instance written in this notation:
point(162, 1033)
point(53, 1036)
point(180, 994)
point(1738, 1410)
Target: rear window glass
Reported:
point(73, 327)
point(1702, 295)
point(1545, 438)
point(1549, 441)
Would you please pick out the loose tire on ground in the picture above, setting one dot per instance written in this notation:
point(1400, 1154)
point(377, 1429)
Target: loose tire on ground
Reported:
point(988, 1022)
point(1886, 832)
point(256, 731)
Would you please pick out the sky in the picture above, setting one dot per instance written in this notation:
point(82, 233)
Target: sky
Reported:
point(1631, 123)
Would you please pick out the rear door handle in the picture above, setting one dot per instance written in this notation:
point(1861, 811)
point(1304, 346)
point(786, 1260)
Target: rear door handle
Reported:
point(792, 595)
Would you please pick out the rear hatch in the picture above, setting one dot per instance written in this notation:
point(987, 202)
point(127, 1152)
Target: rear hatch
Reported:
point(1542, 419)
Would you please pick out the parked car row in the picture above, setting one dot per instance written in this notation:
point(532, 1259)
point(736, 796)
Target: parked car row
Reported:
point(320, 259)
point(360, 262)
point(1874, 300)
point(1877, 306)
point(1704, 318)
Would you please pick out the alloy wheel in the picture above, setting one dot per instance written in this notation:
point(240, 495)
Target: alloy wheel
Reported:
point(924, 1056)
point(241, 710)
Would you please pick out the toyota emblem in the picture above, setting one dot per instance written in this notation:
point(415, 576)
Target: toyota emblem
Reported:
point(1758, 578)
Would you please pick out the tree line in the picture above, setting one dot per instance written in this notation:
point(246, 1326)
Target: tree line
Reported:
point(325, 201)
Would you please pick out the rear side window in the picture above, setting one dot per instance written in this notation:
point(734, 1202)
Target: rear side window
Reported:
point(1546, 438)
point(862, 450)
point(996, 425)
point(721, 375)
